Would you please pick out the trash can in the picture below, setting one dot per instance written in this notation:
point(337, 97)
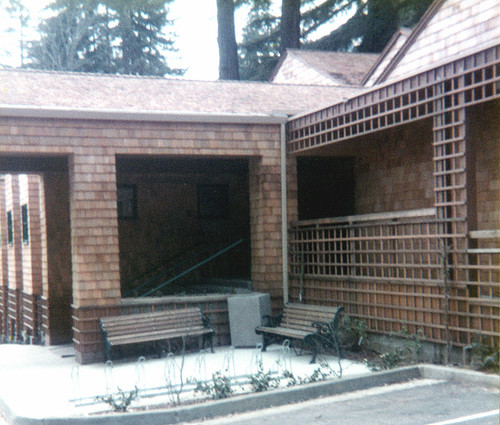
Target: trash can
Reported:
point(245, 314)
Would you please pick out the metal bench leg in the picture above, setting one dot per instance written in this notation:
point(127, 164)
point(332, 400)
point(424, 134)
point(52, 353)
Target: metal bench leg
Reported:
point(314, 354)
point(266, 341)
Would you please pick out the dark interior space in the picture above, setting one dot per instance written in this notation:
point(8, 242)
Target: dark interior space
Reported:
point(178, 212)
point(325, 187)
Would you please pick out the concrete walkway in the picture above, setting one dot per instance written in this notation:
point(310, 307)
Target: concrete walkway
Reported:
point(38, 382)
point(45, 384)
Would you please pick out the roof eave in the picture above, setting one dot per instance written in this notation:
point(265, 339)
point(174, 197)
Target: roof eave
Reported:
point(136, 115)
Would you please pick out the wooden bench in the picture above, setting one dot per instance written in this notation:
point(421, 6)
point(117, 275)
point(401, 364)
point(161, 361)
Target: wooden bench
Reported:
point(316, 326)
point(154, 327)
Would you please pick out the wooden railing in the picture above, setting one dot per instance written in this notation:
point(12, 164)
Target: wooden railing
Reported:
point(400, 271)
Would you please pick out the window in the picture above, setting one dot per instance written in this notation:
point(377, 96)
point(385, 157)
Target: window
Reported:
point(127, 201)
point(212, 200)
point(10, 228)
point(25, 223)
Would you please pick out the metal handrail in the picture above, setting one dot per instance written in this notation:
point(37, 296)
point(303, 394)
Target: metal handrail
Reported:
point(201, 263)
point(164, 273)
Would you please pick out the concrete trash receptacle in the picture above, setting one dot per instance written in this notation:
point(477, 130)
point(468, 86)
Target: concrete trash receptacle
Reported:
point(245, 314)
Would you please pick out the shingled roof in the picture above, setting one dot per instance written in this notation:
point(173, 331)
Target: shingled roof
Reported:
point(45, 89)
point(342, 67)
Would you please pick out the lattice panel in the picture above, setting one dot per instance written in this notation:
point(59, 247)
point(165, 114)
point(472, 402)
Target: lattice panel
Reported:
point(397, 251)
point(392, 275)
point(469, 80)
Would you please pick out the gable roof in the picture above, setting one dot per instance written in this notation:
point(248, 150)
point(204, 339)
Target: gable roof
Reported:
point(449, 29)
point(342, 68)
point(60, 90)
point(385, 58)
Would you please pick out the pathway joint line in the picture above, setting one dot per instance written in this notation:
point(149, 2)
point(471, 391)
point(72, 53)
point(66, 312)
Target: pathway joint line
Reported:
point(467, 418)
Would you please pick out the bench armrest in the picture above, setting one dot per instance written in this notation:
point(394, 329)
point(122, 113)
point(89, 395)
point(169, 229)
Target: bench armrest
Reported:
point(205, 321)
point(273, 321)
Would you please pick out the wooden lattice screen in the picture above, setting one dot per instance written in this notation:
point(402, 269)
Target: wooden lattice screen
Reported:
point(430, 274)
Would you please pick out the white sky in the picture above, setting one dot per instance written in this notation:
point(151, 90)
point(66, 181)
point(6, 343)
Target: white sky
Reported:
point(195, 26)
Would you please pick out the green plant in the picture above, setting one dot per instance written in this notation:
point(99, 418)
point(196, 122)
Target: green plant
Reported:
point(120, 400)
point(323, 372)
point(353, 333)
point(386, 361)
point(262, 381)
point(219, 388)
point(484, 356)
point(408, 353)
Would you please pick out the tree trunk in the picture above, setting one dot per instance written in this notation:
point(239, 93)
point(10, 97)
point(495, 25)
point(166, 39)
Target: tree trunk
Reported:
point(290, 25)
point(228, 52)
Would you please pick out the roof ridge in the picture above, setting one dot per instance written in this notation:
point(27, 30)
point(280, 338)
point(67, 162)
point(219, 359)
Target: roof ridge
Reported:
point(158, 78)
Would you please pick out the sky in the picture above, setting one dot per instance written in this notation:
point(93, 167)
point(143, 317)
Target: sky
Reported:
point(196, 39)
point(195, 24)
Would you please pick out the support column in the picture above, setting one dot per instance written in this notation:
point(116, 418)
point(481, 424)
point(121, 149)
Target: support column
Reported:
point(265, 226)
point(33, 253)
point(57, 287)
point(450, 188)
point(14, 258)
point(3, 261)
point(94, 245)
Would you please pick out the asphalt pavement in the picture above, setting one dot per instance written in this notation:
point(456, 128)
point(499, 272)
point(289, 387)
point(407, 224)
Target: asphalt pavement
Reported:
point(418, 402)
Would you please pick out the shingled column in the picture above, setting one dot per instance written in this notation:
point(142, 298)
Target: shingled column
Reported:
point(94, 246)
point(14, 258)
point(265, 221)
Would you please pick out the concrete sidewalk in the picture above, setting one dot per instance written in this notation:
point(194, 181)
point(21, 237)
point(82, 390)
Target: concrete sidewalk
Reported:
point(45, 384)
point(38, 382)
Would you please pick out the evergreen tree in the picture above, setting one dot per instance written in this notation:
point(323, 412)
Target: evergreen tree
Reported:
point(373, 24)
point(290, 25)
point(267, 35)
point(259, 51)
point(66, 42)
point(368, 30)
point(107, 36)
point(226, 39)
point(20, 14)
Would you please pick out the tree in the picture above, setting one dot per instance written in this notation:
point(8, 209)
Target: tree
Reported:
point(290, 25)
point(137, 26)
point(368, 30)
point(107, 36)
point(373, 24)
point(20, 13)
point(259, 51)
point(69, 39)
point(226, 39)
point(266, 36)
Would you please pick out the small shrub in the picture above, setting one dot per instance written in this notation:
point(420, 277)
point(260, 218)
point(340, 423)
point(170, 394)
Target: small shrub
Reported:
point(219, 388)
point(262, 381)
point(353, 333)
point(386, 361)
point(121, 400)
point(484, 357)
point(322, 373)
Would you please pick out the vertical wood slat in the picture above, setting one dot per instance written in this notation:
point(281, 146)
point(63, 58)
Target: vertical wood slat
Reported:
point(369, 289)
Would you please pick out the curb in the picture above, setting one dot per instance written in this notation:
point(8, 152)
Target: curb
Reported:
point(257, 401)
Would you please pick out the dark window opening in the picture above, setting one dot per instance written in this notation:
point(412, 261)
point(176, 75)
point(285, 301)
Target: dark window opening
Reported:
point(25, 223)
point(213, 200)
point(10, 228)
point(127, 201)
point(325, 187)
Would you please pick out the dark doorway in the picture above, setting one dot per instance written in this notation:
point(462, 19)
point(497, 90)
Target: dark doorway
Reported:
point(325, 187)
point(178, 212)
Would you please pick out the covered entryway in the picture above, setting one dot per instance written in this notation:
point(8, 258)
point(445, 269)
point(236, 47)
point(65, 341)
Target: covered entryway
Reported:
point(36, 289)
point(184, 224)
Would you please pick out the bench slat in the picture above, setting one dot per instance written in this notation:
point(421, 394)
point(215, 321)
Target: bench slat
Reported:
point(153, 326)
point(297, 323)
